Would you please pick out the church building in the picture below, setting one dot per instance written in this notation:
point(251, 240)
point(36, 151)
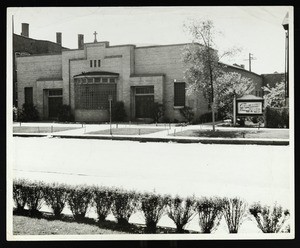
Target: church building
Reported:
point(87, 77)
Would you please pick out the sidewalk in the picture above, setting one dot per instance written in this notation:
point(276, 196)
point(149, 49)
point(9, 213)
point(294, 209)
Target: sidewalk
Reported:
point(83, 131)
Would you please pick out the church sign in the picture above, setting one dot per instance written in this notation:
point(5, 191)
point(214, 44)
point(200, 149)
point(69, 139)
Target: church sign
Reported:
point(249, 105)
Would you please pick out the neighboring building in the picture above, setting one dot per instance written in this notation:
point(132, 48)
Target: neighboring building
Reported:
point(84, 78)
point(23, 45)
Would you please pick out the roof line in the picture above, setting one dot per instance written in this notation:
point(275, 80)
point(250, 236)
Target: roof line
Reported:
point(235, 67)
point(42, 41)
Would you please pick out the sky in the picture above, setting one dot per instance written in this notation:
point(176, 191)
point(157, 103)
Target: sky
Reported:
point(256, 30)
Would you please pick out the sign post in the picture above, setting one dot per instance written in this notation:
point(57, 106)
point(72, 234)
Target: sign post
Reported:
point(234, 109)
point(110, 100)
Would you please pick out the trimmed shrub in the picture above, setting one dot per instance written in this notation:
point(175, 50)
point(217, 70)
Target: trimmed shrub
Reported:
point(65, 114)
point(207, 117)
point(234, 210)
point(268, 219)
point(153, 207)
point(103, 199)
point(79, 198)
point(35, 197)
point(210, 213)
point(187, 113)
point(28, 113)
point(20, 194)
point(181, 211)
point(157, 111)
point(124, 205)
point(277, 117)
point(118, 112)
point(55, 196)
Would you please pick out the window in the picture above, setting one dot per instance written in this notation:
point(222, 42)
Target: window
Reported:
point(91, 63)
point(95, 63)
point(112, 80)
point(28, 91)
point(179, 94)
point(144, 90)
point(56, 92)
point(99, 62)
point(94, 95)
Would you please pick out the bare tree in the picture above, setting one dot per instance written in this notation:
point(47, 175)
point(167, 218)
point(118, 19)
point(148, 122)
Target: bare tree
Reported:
point(234, 210)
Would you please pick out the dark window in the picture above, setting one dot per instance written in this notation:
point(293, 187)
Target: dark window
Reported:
point(57, 92)
point(99, 63)
point(144, 90)
point(91, 63)
point(97, 80)
point(112, 80)
point(90, 80)
point(104, 80)
point(179, 94)
point(94, 96)
point(95, 63)
point(28, 95)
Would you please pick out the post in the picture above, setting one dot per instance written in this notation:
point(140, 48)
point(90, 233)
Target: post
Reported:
point(234, 109)
point(110, 99)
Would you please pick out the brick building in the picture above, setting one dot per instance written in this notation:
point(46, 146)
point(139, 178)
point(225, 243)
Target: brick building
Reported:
point(84, 78)
point(23, 45)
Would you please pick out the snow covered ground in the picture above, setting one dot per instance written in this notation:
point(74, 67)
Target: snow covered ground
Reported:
point(254, 173)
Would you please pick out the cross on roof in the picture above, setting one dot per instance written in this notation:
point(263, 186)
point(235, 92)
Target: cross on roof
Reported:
point(95, 33)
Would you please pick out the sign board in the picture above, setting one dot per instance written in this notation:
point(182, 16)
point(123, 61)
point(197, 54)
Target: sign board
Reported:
point(250, 108)
point(110, 97)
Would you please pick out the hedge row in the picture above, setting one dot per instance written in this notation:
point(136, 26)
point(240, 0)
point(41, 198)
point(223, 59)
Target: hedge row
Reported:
point(277, 117)
point(123, 203)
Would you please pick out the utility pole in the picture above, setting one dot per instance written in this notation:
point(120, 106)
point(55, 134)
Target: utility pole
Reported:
point(250, 58)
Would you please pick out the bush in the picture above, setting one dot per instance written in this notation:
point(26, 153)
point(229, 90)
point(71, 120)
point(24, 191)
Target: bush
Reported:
point(65, 114)
point(234, 210)
point(181, 211)
point(20, 194)
point(35, 195)
point(124, 205)
point(187, 113)
point(28, 113)
point(79, 197)
point(277, 117)
point(153, 207)
point(210, 213)
point(269, 220)
point(118, 112)
point(157, 111)
point(55, 196)
point(103, 198)
point(206, 117)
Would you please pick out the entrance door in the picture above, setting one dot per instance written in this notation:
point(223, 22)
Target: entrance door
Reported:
point(54, 105)
point(143, 106)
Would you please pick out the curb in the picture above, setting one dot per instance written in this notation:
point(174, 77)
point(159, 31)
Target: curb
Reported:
point(165, 140)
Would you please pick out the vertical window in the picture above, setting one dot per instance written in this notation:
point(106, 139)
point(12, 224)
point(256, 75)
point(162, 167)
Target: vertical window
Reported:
point(99, 62)
point(95, 63)
point(91, 63)
point(28, 95)
point(179, 94)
